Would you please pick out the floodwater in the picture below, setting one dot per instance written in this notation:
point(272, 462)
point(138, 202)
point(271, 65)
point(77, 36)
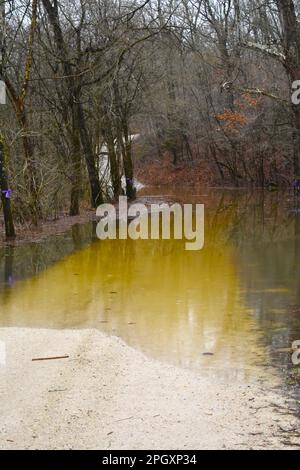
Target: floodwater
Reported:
point(231, 309)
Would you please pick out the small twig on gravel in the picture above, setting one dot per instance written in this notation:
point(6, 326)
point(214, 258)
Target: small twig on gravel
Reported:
point(49, 358)
point(124, 419)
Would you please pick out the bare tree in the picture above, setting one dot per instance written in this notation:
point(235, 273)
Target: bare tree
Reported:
point(4, 186)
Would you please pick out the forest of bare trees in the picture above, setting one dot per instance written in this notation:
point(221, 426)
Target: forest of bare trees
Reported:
point(202, 82)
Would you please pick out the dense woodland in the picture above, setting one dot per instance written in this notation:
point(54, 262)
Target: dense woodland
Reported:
point(206, 84)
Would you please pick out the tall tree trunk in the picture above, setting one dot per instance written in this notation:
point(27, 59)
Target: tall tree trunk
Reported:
point(123, 137)
point(74, 102)
point(18, 99)
point(4, 187)
point(5, 194)
point(125, 146)
point(128, 168)
point(96, 191)
point(76, 175)
point(31, 179)
point(113, 163)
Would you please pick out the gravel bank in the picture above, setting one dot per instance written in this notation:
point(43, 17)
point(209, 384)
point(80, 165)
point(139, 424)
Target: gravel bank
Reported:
point(106, 395)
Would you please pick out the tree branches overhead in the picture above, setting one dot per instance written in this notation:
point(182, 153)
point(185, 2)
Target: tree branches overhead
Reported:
point(197, 80)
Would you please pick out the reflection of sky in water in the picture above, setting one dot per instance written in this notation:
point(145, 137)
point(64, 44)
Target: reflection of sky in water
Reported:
point(237, 299)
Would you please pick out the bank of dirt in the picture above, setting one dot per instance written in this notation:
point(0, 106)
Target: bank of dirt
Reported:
point(28, 233)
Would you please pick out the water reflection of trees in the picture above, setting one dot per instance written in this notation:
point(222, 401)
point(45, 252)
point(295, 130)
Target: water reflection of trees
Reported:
point(246, 217)
point(265, 229)
point(249, 267)
point(19, 262)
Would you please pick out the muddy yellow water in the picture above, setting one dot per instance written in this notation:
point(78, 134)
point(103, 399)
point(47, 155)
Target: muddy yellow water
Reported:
point(231, 308)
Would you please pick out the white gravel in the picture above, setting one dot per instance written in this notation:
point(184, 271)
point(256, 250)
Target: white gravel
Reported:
point(109, 396)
